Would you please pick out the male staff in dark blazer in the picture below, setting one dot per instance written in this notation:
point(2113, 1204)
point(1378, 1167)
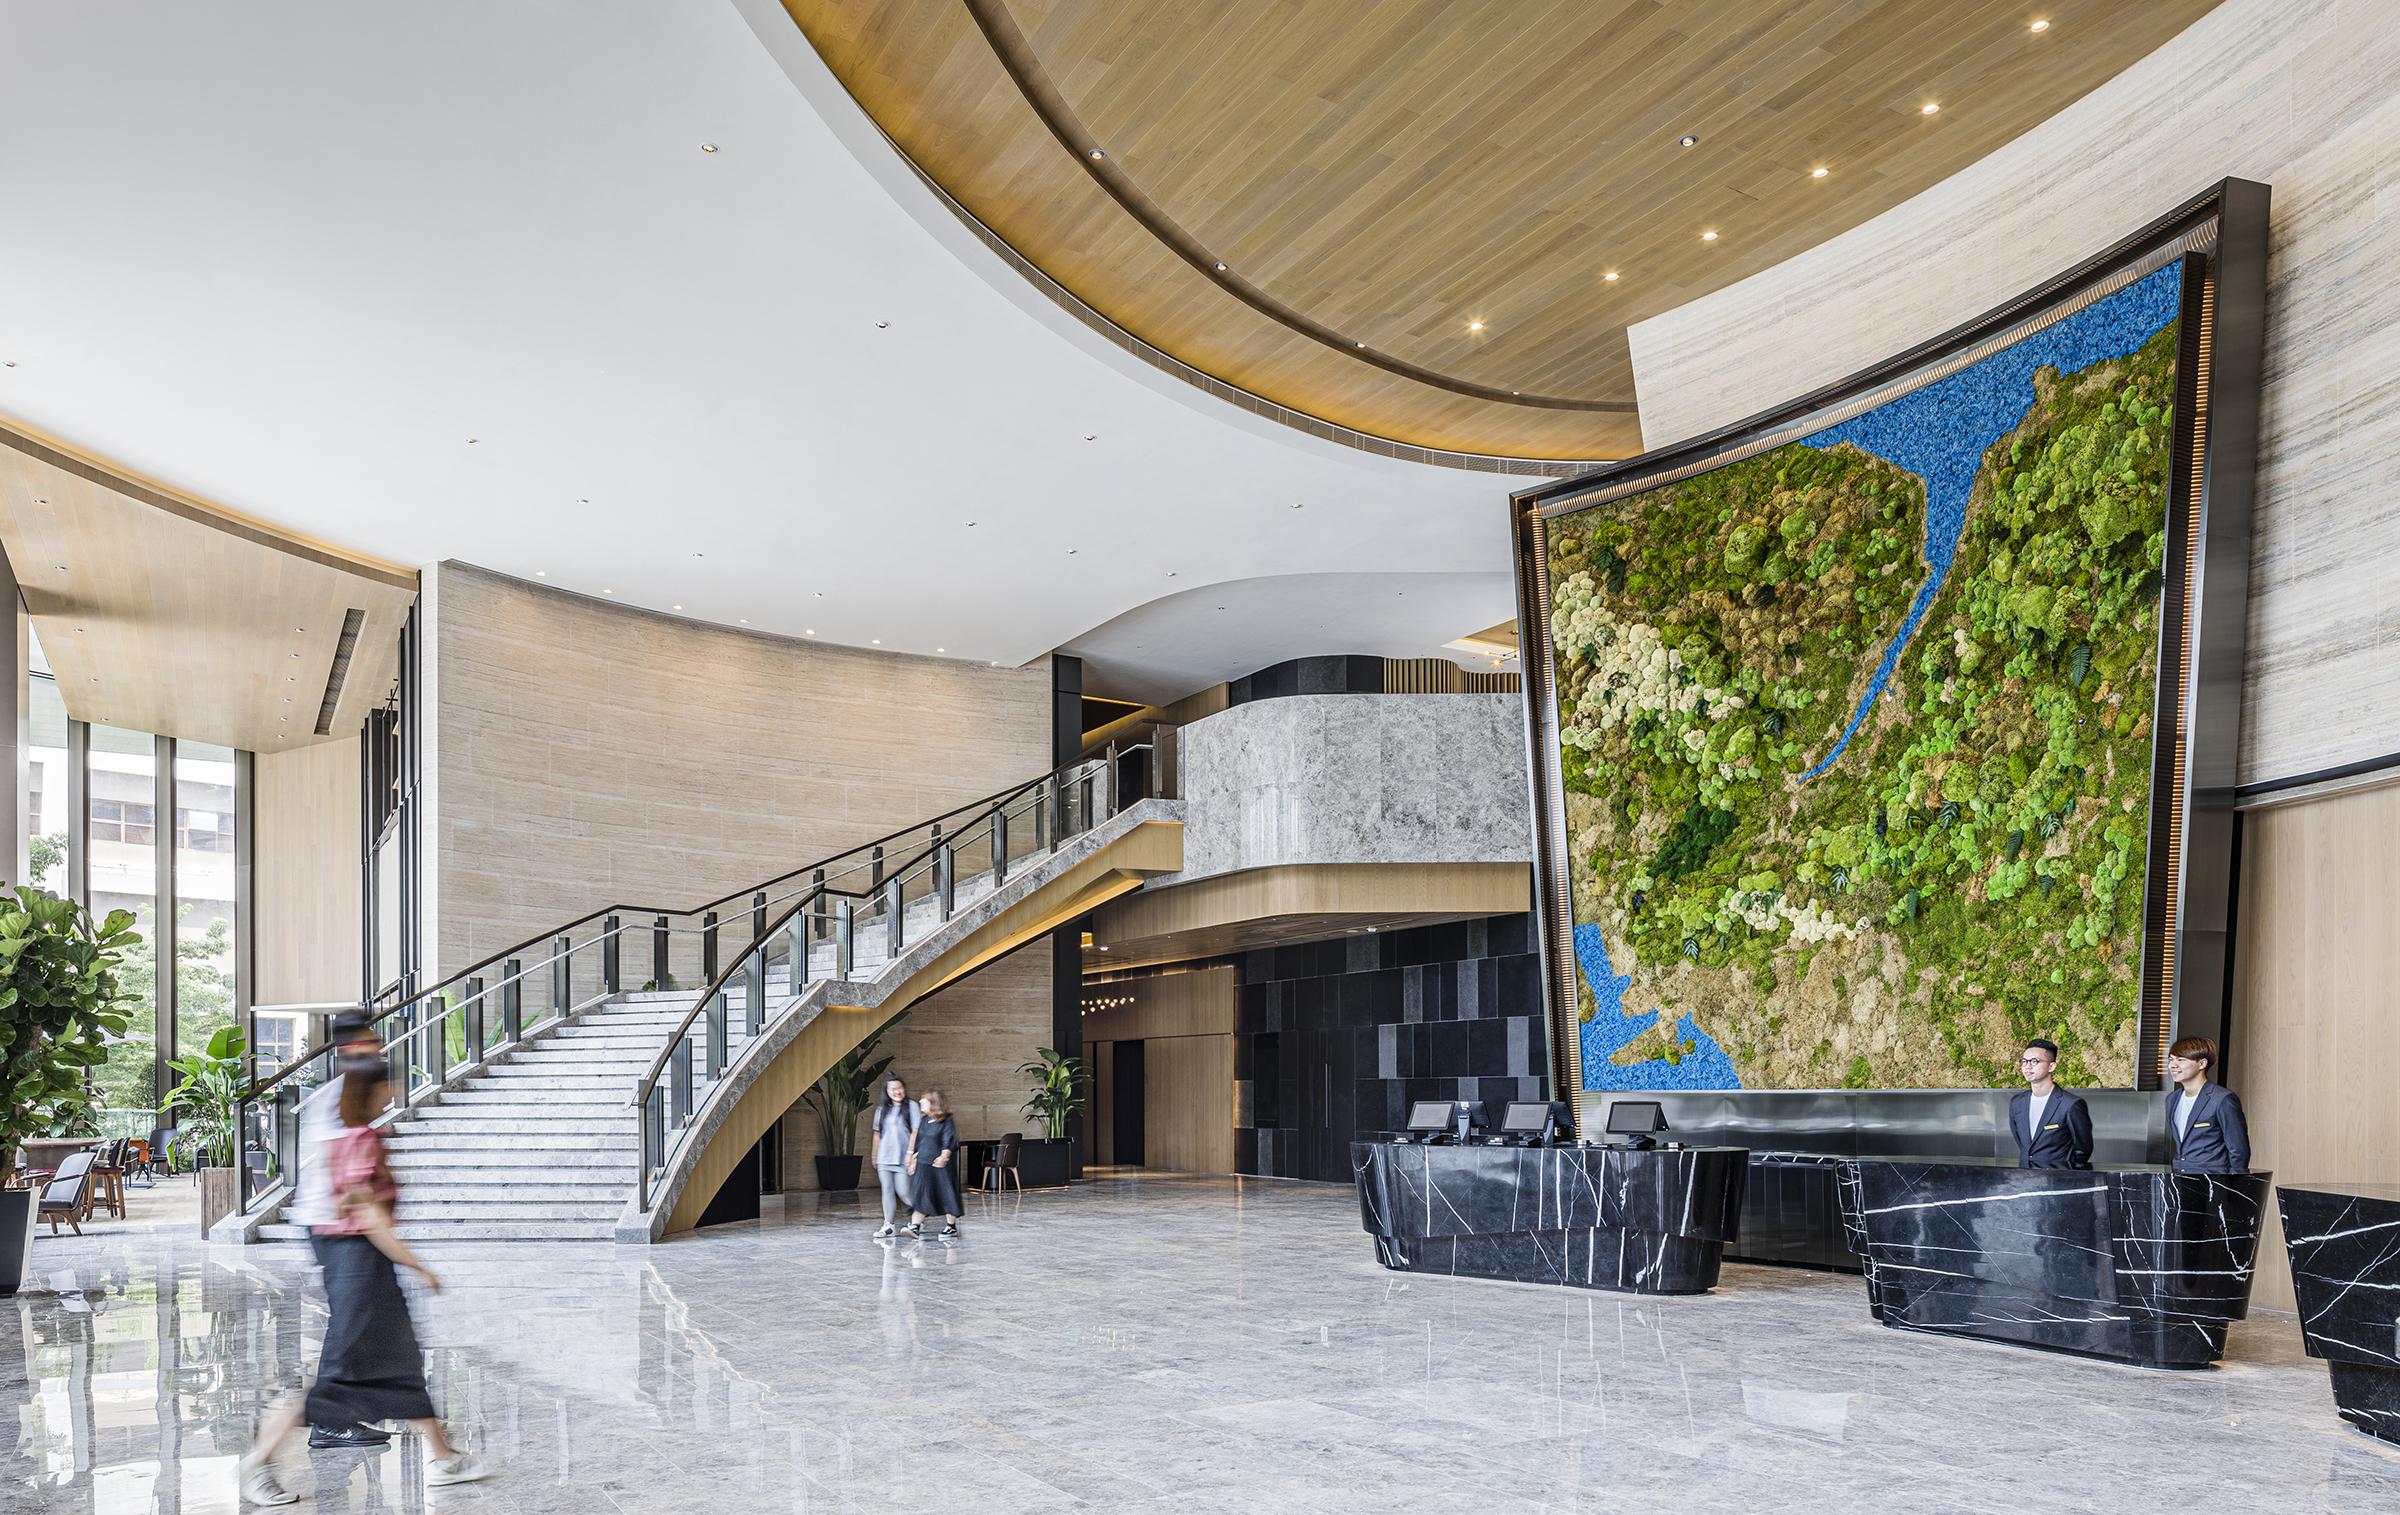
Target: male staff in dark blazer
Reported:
point(2204, 1120)
point(2052, 1126)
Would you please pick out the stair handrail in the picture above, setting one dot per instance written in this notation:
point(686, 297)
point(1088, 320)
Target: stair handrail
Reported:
point(651, 1145)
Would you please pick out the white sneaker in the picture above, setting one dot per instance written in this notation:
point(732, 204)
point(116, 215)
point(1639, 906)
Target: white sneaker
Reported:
point(261, 1486)
point(888, 1229)
point(464, 1467)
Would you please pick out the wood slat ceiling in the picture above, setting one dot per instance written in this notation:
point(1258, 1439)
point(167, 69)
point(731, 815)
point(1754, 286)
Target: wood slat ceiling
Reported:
point(1391, 171)
point(160, 613)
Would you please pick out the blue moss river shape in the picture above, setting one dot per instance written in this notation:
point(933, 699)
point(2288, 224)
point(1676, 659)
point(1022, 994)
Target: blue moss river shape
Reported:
point(1939, 433)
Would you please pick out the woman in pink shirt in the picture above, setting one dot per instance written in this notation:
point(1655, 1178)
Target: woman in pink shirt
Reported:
point(371, 1368)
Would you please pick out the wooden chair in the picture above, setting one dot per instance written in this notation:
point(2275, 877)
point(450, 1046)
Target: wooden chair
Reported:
point(69, 1195)
point(1003, 1163)
point(108, 1178)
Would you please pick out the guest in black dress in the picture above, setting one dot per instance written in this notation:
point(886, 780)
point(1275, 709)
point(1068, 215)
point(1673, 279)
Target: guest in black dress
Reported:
point(933, 1168)
point(371, 1368)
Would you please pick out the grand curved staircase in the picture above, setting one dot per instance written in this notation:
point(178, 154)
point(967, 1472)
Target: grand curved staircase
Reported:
point(619, 1112)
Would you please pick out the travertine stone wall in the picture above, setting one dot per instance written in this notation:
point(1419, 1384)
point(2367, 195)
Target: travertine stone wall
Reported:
point(2303, 95)
point(582, 754)
point(1355, 778)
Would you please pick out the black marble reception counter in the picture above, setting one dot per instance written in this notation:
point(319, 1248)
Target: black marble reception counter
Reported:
point(2140, 1265)
point(2344, 1243)
point(1647, 1222)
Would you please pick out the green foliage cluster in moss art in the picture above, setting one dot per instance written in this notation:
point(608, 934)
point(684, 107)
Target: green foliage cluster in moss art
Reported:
point(1846, 865)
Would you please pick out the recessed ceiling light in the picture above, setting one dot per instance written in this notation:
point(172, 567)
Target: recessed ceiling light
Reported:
point(1708, 236)
point(291, 678)
point(970, 523)
point(287, 699)
point(471, 441)
point(95, 678)
point(941, 649)
point(79, 631)
point(62, 568)
point(1474, 326)
point(1071, 552)
point(1098, 154)
point(1358, 344)
point(820, 594)
point(1299, 504)
point(2040, 26)
point(1170, 574)
point(9, 363)
point(679, 607)
point(883, 326)
point(1687, 140)
point(608, 591)
point(583, 502)
point(299, 631)
point(745, 620)
point(41, 502)
point(875, 641)
point(699, 554)
point(295, 654)
point(1091, 436)
point(1819, 172)
point(1932, 107)
point(708, 147)
point(541, 573)
point(810, 632)
point(1220, 266)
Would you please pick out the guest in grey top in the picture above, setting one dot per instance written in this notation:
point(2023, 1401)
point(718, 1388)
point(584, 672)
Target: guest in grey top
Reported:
point(2204, 1120)
point(895, 1125)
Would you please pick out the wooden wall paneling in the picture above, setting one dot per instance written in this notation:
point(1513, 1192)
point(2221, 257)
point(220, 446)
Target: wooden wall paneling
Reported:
point(1189, 1116)
point(2315, 1033)
point(307, 874)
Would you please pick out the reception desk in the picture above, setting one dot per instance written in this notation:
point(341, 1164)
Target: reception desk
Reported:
point(2138, 1265)
point(1645, 1222)
point(2344, 1243)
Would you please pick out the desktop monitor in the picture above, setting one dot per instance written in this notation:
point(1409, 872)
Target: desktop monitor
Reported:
point(1526, 1117)
point(1428, 1115)
point(1636, 1117)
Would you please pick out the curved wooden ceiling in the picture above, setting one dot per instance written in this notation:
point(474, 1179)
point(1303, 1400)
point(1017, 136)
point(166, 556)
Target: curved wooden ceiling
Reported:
point(1376, 176)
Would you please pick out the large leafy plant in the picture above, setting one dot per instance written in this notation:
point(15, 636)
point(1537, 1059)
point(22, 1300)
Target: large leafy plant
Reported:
point(208, 1099)
point(58, 996)
point(842, 1095)
point(1058, 1084)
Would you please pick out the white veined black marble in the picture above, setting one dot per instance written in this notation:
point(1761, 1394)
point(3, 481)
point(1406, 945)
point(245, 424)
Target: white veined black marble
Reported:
point(2143, 1266)
point(2345, 1251)
point(1647, 1222)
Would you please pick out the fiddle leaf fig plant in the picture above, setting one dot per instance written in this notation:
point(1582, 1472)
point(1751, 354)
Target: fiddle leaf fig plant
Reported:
point(58, 1008)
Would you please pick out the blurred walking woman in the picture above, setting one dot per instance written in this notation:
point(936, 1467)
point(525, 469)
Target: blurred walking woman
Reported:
point(933, 1169)
point(895, 1127)
point(371, 1368)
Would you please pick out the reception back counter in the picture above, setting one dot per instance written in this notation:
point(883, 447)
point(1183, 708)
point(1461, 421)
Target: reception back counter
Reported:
point(1646, 1222)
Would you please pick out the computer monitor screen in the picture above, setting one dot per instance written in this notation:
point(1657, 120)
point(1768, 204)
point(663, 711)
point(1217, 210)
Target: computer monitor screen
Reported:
point(1430, 1115)
point(1525, 1115)
point(1636, 1117)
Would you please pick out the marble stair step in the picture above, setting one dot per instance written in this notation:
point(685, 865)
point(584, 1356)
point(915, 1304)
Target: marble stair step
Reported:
point(486, 1155)
point(413, 1141)
point(415, 1207)
point(440, 1231)
point(532, 1123)
point(484, 1096)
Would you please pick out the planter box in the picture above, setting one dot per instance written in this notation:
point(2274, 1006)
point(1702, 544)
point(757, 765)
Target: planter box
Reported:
point(16, 1236)
point(839, 1173)
point(1043, 1162)
point(218, 1195)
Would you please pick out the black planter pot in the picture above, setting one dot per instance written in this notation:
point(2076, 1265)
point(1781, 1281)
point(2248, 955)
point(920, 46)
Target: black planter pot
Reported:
point(838, 1172)
point(17, 1208)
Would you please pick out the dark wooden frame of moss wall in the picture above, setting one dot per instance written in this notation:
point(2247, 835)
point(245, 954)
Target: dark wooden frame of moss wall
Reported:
point(2189, 888)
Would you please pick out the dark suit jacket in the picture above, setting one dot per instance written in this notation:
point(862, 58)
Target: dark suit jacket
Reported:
point(2065, 1140)
point(2218, 1140)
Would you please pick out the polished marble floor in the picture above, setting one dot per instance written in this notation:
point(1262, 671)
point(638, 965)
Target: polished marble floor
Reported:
point(1136, 1344)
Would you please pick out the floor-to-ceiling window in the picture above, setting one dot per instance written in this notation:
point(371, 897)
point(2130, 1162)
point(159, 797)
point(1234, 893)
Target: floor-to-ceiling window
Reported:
point(160, 851)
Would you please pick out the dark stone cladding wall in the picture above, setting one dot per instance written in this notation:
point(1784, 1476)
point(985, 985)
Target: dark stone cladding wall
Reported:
point(1334, 1039)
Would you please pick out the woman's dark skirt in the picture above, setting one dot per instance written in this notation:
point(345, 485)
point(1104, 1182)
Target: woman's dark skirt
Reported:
point(935, 1192)
point(372, 1368)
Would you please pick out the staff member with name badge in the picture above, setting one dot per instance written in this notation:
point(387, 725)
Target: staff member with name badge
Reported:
point(2053, 1127)
point(2204, 1119)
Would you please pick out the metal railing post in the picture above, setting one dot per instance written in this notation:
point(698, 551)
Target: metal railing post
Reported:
point(875, 875)
point(654, 1140)
point(559, 983)
point(474, 1014)
point(895, 918)
point(612, 972)
point(945, 879)
point(512, 999)
point(681, 1064)
point(662, 966)
point(286, 1137)
point(845, 922)
point(796, 931)
point(1058, 808)
point(1000, 844)
point(816, 884)
point(1041, 818)
point(716, 1033)
point(708, 947)
point(1108, 791)
point(758, 916)
point(755, 981)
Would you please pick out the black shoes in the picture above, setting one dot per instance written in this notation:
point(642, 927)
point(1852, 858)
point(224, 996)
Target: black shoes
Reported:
point(949, 1233)
point(346, 1436)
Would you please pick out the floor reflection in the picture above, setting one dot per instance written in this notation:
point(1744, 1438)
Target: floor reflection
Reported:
point(1135, 1344)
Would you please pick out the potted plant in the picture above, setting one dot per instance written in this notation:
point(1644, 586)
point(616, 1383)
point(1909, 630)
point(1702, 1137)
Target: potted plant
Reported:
point(840, 1098)
point(1058, 1084)
point(58, 994)
point(207, 1106)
